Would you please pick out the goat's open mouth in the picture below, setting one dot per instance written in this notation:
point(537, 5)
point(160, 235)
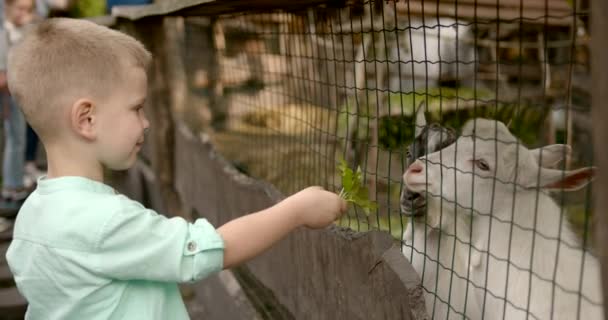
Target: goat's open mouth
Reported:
point(411, 211)
point(413, 204)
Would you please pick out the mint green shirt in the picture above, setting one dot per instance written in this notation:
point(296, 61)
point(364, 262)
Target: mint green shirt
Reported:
point(82, 251)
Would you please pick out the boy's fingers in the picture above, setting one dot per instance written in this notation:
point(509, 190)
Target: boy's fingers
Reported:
point(343, 205)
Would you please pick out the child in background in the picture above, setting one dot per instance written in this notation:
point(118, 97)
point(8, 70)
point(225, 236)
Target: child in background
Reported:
point(18, 13)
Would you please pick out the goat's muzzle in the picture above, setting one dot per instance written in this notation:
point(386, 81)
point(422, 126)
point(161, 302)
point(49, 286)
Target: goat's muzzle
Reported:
point(413, 204)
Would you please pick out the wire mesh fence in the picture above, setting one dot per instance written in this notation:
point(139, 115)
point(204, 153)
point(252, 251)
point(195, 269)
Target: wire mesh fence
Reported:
point(495, 216)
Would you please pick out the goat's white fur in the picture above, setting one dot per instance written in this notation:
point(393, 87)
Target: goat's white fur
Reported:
point(450, 225)
point(429, 245)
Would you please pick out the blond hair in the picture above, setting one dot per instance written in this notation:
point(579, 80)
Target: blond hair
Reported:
point(61, 60)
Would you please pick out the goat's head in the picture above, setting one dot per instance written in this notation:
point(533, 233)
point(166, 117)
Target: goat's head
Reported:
point(428, 139)
point(483, 165)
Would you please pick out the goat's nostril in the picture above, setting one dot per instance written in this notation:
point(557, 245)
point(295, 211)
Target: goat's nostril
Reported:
point(416, 167)
point(412, 196)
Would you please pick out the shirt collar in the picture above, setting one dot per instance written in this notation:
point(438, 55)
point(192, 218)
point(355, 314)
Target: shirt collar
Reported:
point(46, 185)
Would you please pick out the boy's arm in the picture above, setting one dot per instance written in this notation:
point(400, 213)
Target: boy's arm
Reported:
point(250, 235)
point(139, 244)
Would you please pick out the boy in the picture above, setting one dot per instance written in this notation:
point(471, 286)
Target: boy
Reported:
point(81, 251)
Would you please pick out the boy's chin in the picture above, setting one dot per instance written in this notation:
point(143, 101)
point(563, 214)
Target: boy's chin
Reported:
point(125, 165)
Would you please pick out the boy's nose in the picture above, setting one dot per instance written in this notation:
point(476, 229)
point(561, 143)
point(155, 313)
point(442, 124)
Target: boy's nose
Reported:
point(146, 124)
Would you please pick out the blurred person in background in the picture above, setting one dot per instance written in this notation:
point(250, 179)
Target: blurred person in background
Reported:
point(17, 15)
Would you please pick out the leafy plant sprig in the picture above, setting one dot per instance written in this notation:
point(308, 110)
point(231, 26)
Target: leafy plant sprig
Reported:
point(353, 189)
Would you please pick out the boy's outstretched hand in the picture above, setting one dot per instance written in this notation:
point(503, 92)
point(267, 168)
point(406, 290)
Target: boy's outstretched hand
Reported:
point(316, 207)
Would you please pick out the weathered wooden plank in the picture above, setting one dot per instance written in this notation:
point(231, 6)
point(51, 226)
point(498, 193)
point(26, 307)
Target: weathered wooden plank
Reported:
point(211, 7)
point(553, 6)
point(468, 11)
point(599, 111)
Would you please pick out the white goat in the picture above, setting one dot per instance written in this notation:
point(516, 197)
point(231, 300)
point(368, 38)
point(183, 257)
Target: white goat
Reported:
point(437, 50)
point(429, 246)
point(436, 245)
point(520, 256)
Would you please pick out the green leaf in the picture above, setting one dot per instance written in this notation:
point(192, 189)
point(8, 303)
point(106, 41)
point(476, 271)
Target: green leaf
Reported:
point(347, 177)
point(353, 189)
point(362, 193)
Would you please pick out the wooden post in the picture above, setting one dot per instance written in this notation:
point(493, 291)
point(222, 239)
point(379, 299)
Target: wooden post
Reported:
point(178, 82)
point(217, 104)
point(353, 155)
point(599, 111)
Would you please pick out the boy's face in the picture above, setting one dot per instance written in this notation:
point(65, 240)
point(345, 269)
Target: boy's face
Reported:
point(122, 122)
point(20, 12)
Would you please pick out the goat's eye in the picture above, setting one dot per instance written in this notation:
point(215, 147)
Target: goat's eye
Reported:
point(482, 165)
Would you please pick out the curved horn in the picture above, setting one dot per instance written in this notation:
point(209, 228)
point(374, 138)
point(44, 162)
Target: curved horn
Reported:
point(420, 119)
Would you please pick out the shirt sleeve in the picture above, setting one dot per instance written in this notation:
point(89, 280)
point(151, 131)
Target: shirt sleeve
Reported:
point(139, 244)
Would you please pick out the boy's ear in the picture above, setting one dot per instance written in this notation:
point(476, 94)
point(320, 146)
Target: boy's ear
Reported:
point(83, 119)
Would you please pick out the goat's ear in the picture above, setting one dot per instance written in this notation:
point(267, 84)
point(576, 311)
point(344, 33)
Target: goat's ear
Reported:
point(552, 179)
point(551, 155)
point(420, 119)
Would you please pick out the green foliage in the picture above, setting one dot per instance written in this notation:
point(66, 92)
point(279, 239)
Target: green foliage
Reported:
point(353, 189)
point(396, 130)
point(88, 8)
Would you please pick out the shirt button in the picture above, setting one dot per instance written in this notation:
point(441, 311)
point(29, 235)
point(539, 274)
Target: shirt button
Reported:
point(191, 246)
